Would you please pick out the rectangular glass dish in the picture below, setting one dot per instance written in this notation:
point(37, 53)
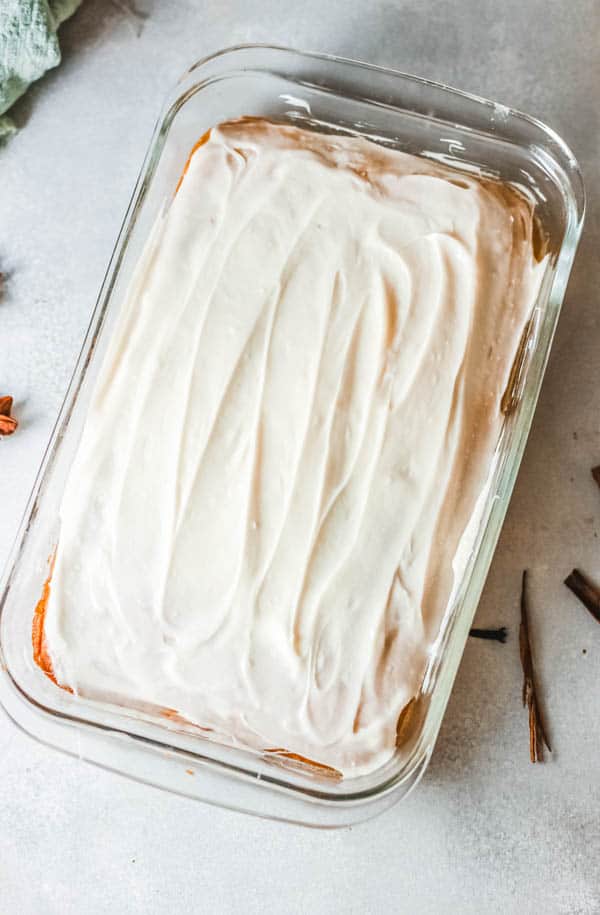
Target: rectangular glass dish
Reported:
point(408, 114)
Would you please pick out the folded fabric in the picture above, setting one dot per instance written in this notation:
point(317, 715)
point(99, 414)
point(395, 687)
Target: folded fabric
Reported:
point(28, 47)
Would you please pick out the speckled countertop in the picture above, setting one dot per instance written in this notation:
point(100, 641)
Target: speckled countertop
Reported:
point(485, 832)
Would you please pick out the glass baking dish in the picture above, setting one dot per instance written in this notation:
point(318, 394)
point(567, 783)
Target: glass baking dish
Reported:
point(411, 114)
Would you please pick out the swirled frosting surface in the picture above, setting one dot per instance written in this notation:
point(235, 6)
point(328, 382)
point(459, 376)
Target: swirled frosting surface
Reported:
point(296, 415)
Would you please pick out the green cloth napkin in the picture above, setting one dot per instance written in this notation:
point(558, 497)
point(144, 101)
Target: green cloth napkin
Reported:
point(28, 47)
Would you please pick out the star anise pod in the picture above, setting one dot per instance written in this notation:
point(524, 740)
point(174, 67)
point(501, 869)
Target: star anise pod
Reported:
point(8, 423)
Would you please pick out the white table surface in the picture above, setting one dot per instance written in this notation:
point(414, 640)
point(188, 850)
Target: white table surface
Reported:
point(485, 831)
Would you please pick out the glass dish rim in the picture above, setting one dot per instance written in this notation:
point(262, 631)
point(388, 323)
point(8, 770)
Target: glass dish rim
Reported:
point(565, 255)
point(392, 71)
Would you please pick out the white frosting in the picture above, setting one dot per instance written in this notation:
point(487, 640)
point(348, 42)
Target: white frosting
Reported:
point(291, 428)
